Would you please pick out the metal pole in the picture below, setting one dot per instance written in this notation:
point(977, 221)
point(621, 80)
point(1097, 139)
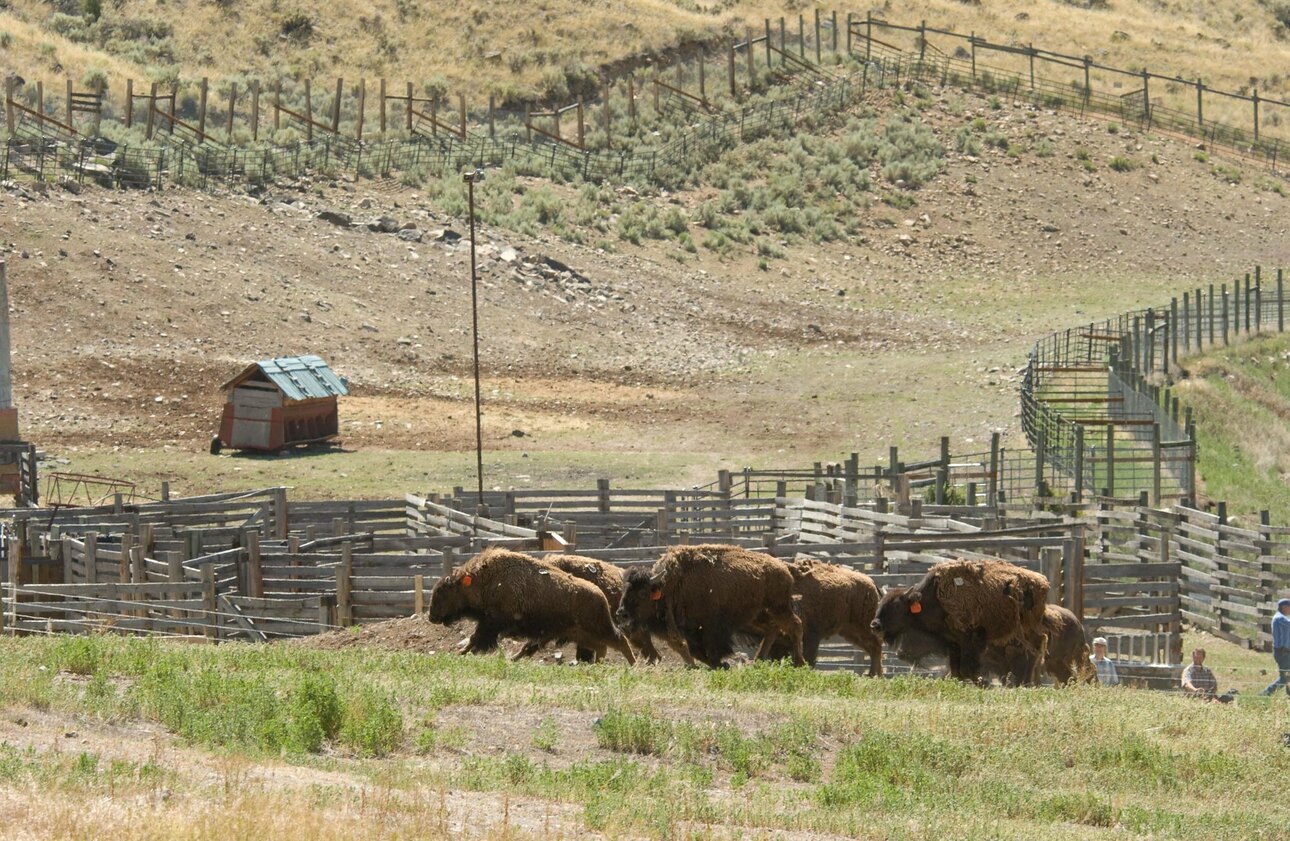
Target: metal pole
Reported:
point(471, 178)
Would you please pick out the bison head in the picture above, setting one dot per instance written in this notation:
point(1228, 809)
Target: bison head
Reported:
point(898, 614)
point(448, 601)
point(641, 598)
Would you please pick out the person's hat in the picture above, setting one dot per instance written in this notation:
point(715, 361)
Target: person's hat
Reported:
point(1282, 603)
point(1099, 640)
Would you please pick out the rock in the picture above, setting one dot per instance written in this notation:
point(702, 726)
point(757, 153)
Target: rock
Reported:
point(384, 225)
point(444, 235)
point(69, 184)
point(518, 433)
point(508, 255)
point(365, 204)
point(370, 328)
point(1049, 228)
point(410, 235)
point(336, 218)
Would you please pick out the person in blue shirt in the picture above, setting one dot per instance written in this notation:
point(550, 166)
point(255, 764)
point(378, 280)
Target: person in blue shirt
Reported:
point(1281, 647)
point(1106, 674)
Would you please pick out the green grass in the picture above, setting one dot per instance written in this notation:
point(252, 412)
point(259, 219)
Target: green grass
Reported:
point(647, 752)
point(1244, 463)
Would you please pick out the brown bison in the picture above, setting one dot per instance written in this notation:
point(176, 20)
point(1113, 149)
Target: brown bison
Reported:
point(514, 594)
point(707, 593)
point(609, 579)
point(962, 607)
point(1065, 658)
point(834, 600)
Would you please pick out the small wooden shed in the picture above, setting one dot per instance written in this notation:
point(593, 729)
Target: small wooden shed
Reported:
point(277, 403)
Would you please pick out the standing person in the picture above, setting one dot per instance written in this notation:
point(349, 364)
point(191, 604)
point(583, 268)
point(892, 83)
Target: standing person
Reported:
point(1106, 674)
point(1281, 647)
point(1199, 682)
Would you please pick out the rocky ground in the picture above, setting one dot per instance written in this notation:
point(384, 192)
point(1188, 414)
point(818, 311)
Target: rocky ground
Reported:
point(130, 309)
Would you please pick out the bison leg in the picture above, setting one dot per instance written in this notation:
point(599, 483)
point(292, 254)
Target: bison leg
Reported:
point(715, 647)
point(790, 625)
point(483, 639)
point(645, 642)
point(584, 655)
point(621, 645)
point(811, 648)
point(677, 640)
point(531, 647)
point(866, 639)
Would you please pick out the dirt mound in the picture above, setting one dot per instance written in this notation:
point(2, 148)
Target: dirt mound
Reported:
point(413, 633)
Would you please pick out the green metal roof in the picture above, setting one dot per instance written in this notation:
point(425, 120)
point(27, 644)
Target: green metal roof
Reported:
point(299, 377)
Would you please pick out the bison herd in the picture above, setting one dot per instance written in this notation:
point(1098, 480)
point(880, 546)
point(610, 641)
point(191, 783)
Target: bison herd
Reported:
point(988, 618)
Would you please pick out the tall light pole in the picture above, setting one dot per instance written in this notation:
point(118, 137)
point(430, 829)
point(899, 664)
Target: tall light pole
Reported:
point(471, 178)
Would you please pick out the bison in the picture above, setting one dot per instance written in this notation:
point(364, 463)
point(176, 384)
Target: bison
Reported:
point(963, 606)
point(1065, 658)
point(514, 594)
point(705, 594)
point(609, 579)
point(834, 600)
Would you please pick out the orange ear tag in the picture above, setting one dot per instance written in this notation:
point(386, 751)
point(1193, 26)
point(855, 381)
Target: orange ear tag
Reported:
point(655, 595)
point(916, 607)
point(466, 580)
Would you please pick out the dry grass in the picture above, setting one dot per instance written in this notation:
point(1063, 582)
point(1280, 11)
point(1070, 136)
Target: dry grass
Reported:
point(478, 46)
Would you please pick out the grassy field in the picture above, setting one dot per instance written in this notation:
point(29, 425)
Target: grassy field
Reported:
point(147, 739)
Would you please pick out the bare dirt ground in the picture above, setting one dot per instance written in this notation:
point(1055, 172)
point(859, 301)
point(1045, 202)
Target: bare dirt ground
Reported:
point(130, 309)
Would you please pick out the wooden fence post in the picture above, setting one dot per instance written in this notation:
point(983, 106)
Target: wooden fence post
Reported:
point(1186, 324)
point(281, 521)
point(1211, 315)
point(152, 109)
point(232, 109)
point(1073, 573)
point(254, 573)
point(15, 575)
point(992, 488)
point(210, 602)
point(1051, 564)
point(730, 71)
point(91, 558)
point(309, 110)
point(201, 110)
point(602, 491)
point(833, 28)
point(1225, 318)
point(449, 561)
point(1110, 459)
point(418, 595)
point(362, 108)
point(817, 35)
point(1079, 462)
point(344, 573)
point(1220, 560)
point(407, 111)
point(1156, 472)
point(255, 109)
point(1281, 313)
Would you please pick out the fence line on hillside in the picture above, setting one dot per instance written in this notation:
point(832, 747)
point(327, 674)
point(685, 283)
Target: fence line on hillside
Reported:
point(440, 138)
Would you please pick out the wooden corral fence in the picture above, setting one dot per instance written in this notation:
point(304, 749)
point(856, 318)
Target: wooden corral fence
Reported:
point(258, 566)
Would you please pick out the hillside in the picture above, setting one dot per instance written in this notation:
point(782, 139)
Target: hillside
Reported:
point(521, 49)
point(651, 338)
point(1244, 463)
